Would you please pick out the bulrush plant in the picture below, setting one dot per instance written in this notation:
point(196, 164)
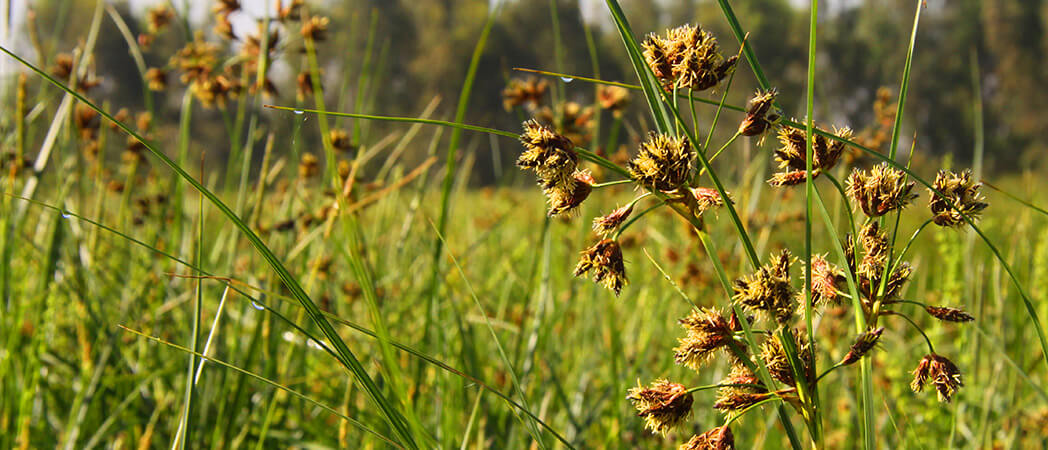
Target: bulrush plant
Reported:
point(765, 335)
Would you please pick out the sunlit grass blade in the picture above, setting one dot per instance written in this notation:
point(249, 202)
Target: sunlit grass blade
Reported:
point(345, 355)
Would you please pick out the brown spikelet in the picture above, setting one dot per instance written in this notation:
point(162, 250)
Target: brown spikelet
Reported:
point(960, 191)
point(706, 331)
point(719, 438)
point(862, 345)
point(881, 190)
point(941, 372)
point(607, 224)
point(564, 201)
point(604, 259)
point(949, 314)
point(663, 162)
point(524, 92)
point(768, 290)
point(551, 156)
point(663, 405)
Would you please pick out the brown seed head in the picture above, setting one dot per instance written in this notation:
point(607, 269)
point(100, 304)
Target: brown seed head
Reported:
point(707, 330)
point(605, 225)
point(613, 98)
point(663, 163)
point(719, 438)
point(309, 166)
point(768, 290)
point(949, 314)
point(735, 401)
point(340, 140)
point(687, 57)
point(941, 372)
point(524, 92)
point(880, 191)
point(305, 84)
point(959, 190)
point(550, 155)
point(223, 27)
point(825, 281)
point(605, 260)
point(778, 363)
point(663, 405)
point(760, 115)
point(563, 201)
point(862, 345)
point(707, 198)
point(156, 78)
point(196, 60)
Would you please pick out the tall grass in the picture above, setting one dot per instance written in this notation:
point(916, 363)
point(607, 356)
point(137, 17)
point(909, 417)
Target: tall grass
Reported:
point(423, 312)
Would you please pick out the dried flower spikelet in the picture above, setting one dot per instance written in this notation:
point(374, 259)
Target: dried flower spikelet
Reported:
point(216, 90)
point(62, 67)
point(564, 201)
point(605, 260)
point(687, 57)
point(309, 166)
point(707, 198)
point(145, 40)
point(789, 178)
point(663, 405)
point(528, 92)
point(760, 114)
point(550, 155)
point(862, 345)
point(316, 28)
point(768, 291)
point(143, 121)
point(778, 363)
point(949, 314)
point(825, 281)
point(87, 122)
point(663, 163)
point(340, 140)
point(607, 224)
point(794, 149)
point(156, 78)
point(613, 98)
point(158, 18)
point(941, 372)
point(735, 401)
point(226, 7)
point(196, 60)
point(707, 330)
point(719, 438)
point(959, 190)
point(880, 191)
point(571, 120)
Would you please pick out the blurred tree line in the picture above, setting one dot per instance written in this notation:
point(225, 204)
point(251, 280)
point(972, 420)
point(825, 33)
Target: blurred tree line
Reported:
point(392, 57)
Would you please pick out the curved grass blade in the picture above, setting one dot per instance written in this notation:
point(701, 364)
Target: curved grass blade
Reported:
point(232, 284)
point(345, 355)
point(293, 392)
point(650, 85)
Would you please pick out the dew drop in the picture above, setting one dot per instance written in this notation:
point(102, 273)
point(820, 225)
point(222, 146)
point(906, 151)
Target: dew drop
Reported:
point(66, 215)
point(299, 112)
point(567, 79)
point(257, 306)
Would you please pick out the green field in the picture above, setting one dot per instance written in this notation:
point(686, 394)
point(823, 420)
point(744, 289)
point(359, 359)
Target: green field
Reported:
point(213, 267)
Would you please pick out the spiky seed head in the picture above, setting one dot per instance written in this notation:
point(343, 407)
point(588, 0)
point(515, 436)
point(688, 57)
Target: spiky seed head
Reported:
point(941, 372)
point(706, 331)
point(564, 201)
point(790, 178)
point(949, 314)
point(607, 224)
point(524, 92)
point(663, 405)
point(862, 345)
point(960, 191)
point(719, 438)
point(613, 98)
point(760, 114)
point(156, 78)
point(881, 190)
point(663, 162)
point(778, 363)
point(825, 281)
point(158, 18)
point(735, 401)
point(687, 57)
point(793, 150)
point(605, 260)
point(551, 156)
point(226, 7)
point(707, 198)
point(768, 290)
